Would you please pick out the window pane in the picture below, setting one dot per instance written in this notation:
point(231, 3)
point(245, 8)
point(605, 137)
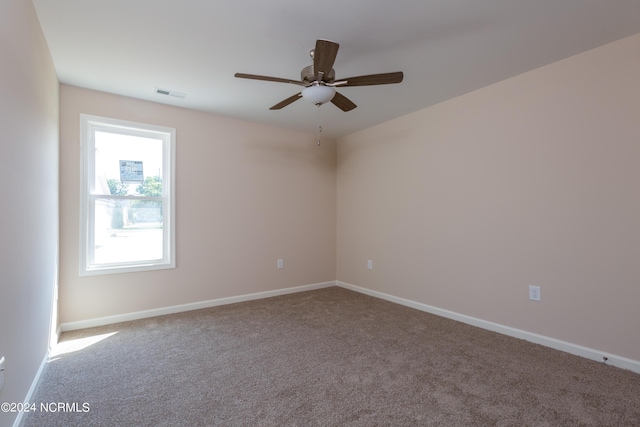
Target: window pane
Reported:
point(123, 162)
point(127, 231)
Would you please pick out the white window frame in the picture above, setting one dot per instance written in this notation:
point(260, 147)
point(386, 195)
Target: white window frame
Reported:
point(88, 126)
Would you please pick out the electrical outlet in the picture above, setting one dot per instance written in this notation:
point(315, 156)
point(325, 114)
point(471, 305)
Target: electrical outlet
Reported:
point(1, 372)
point(534, 293)
point(370, 264)
point(280, 263)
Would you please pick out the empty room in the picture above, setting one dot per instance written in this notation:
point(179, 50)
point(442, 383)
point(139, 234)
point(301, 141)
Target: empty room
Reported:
point(339, 213)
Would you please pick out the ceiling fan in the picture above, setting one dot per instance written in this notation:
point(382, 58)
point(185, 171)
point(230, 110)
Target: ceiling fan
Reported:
point(319, 80)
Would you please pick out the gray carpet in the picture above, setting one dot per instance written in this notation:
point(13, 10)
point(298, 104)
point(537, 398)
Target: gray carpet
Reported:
point(329, 357)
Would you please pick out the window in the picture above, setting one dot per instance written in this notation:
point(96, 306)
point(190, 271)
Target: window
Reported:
point(127, 212)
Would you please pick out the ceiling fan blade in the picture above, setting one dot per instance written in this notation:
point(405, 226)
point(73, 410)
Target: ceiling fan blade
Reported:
point(370, 80)
point(324, 55)
point(342, 102)
point(287, 101)
point(269, 79)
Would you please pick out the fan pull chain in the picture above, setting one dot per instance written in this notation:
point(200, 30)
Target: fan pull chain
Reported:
point(319, 126)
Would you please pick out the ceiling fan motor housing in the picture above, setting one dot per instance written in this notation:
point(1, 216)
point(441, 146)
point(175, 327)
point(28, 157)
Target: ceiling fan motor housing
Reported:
point(308, 75)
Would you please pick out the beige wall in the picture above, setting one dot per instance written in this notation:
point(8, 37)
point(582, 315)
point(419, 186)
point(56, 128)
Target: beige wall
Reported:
point(531, 181)
point(247, 194)
point(29, 214)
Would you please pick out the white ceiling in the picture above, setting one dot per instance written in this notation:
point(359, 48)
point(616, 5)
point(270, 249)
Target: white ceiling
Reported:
point(444, 47)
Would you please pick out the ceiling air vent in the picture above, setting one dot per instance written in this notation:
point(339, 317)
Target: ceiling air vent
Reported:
point(170, 93)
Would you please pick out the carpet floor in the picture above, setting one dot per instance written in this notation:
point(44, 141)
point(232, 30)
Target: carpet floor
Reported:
point(330, 357)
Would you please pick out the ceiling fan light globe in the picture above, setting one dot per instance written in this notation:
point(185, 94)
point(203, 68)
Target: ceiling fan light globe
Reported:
point(318, 94)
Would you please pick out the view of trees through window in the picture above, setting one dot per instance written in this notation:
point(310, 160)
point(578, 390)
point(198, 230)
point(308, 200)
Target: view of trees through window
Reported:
point(142, 210)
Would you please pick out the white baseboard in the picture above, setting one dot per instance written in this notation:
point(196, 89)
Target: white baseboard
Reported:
point(101, 321)
point(32, 389)
point(578, 350)
point(575, 349)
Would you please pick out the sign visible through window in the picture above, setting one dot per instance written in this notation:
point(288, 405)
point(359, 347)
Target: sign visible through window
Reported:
point(131, 171)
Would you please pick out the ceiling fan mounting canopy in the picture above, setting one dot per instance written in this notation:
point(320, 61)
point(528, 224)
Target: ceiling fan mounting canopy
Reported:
point(319, 80)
